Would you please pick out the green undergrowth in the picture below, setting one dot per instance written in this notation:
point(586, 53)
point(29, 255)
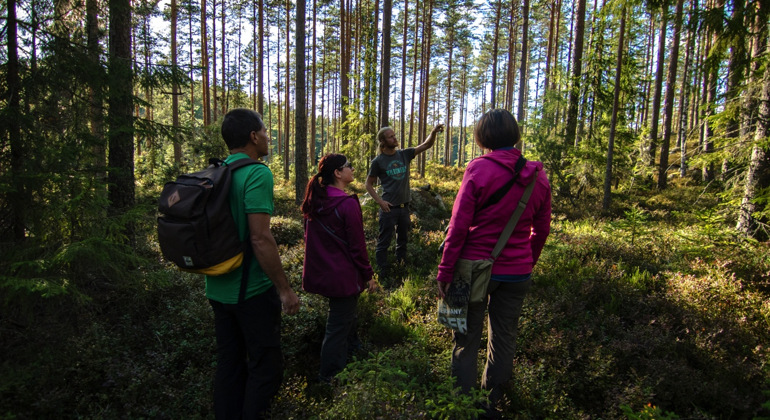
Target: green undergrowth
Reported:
point(656, 310)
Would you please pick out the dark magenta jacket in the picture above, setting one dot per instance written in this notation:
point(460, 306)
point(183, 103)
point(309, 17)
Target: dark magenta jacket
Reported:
point(336, 261)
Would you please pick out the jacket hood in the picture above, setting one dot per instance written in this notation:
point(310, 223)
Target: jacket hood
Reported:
point(508, 159)
point(334, 197)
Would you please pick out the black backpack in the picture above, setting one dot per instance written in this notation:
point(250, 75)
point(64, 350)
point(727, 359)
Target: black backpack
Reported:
point(196, 229)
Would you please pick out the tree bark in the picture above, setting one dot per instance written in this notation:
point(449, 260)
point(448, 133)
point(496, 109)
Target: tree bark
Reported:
point(300, 112)
point(427, 41)
point(121, 131)
point(344, 69)
point(670, 93)
point(710, 90)
point(223, 105)
point(387, 7)
point(684, 98)
point(758, 173)
point(495, 42)
point(652, 144)
point(214, 88)
point(286, 165)
point(313, 159)
point(261, 66)
point(448, 109)
point(402, 133)
point(615, 109)
point(524, 69)
point(205, 93)
point(510, 79)
point(174, 85)
point(96, 88)
point(577, 65)
point(18, 154)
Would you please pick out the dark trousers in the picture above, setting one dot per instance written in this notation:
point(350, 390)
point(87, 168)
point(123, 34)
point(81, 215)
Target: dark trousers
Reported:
point(505, 303)
point(397, 220)
point(340, 332)
point(249, 360)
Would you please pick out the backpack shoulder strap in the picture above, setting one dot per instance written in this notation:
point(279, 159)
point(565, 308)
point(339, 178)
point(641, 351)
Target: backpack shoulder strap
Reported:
point(240, 163)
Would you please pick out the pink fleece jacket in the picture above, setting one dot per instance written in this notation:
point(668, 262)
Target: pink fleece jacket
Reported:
point(474, 232)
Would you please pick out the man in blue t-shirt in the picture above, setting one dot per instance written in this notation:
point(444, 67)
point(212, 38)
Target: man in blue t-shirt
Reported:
point(391, 167)
point(248, 331)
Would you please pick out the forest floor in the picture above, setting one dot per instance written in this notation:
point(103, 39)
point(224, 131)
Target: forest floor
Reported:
point(657, 310)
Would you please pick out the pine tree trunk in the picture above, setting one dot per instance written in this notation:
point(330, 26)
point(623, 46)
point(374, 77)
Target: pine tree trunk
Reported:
point(18, 154)
point(223, 105)
point(205, 93)
point(402, 133)
point(448, 110)
point(175, 86)
point(214, 88)
point(758, 173)
point(287, 120)
point(313, 88)
point(615, 110)
point(495, 51)
point(524, 69)
point(415, 72)
point(121, 131)
point(710, 90)
point(736, 71)
point(549, 48)
point(577, 65)
point(670, 94)
point(300, 114)
point(385, 73)
point(427, 40)
point(261, 65)
point(96, 89)
point(510, 79)
point(344, 69)
point(649, 155)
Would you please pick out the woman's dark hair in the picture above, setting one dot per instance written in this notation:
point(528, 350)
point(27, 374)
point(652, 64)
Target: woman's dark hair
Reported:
point(238, 125)
point(315, 193)
point(495, 129)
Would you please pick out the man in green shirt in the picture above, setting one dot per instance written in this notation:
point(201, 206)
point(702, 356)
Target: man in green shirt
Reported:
point(248, 331)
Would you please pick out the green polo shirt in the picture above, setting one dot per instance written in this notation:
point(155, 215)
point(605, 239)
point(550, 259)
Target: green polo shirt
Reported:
point(251, 192)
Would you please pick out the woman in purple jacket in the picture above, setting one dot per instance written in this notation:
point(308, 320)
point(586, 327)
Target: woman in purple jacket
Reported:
point(336, 262)
point(473, 232)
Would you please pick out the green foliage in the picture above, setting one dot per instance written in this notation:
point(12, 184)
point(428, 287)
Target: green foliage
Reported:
point(634, 223)
point(649, 412)
point(385, 331)
point(398, 384)
point(662, 305)
point(450, 403)
point(287, 231)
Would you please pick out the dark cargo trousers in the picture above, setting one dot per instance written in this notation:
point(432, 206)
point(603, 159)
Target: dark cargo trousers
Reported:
point(396, 220)
point(249, 359)
point(505, 303)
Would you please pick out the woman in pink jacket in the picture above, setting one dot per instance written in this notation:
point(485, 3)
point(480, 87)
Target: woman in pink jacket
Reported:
point(336, 261)
point(473, 232)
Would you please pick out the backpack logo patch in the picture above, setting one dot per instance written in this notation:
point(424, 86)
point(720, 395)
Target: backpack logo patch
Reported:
point(173, 199)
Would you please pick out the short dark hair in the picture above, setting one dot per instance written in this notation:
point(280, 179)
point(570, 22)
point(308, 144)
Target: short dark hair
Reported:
point(238, 125)
point(495, 129)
